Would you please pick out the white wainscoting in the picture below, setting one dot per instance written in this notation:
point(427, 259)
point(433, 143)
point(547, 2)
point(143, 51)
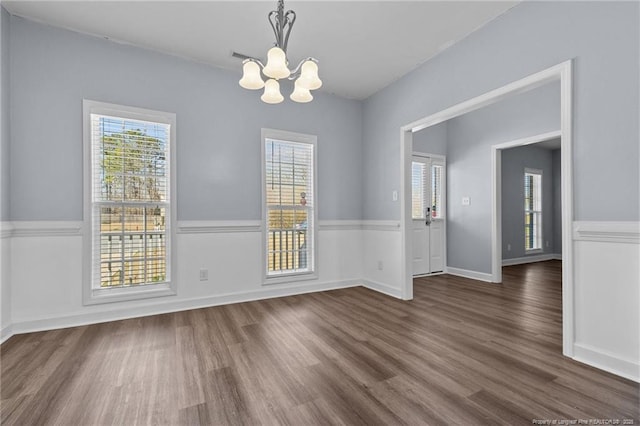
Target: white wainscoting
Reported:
point(381, 257)
point(607, 296)
point(41, 273)
point(45, 272)
point(6, 231)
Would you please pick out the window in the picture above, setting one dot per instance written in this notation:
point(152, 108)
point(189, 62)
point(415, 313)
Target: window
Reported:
point(419, 184)
point(289, 204)
point(532, 209)
point(436, 191)
point(129, 209)
point(417, 189)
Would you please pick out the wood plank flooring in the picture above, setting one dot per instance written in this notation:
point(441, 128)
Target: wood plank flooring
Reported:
point(462, 352)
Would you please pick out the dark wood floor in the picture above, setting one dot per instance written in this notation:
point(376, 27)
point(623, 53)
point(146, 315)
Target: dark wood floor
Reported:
point(462, 352)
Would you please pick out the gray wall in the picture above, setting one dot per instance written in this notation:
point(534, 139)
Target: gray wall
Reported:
point(4, 118)
point(470, 138)
point(603, 37)
point(514, 163)
point(218, 127)
point(556, 157)
point(432, 140)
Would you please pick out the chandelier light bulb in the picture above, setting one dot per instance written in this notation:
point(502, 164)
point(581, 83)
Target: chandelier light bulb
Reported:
point(251, 76)
point(276, 64)
point(271, 93)
point(304, 75)
point(301, 94)
point(309, 77)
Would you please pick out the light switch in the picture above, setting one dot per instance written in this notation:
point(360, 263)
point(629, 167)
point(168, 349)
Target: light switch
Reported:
point(394, 195)
point(466, 201)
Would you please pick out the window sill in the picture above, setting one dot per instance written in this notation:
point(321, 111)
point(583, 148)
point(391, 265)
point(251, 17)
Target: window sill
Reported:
point(111, 295)
point(289, 278)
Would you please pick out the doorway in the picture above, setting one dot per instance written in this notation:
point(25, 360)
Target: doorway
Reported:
point(497, 211)
point(428, 192)
point(562, 73)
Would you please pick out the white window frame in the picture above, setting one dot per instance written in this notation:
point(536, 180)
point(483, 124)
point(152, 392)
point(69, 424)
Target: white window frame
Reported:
point(91, 294)
point(298, 275)
point(537, 212)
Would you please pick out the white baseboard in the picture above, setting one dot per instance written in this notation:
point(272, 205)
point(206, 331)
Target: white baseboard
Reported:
point(30, 326)
point(5, 333)
point(382, 288)
point(474, 275)
point(608, 362)
point(531, 259)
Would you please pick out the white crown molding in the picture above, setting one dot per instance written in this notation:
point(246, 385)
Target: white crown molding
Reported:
point(381, 225)
point(217, 226)
point(607, 232)
point(57, 228)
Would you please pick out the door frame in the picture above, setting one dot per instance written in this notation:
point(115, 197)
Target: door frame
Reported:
point(496, 195)
point(562, 72)
point(443, 160)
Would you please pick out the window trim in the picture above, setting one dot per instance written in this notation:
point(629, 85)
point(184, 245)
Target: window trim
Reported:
point(540, 224)
point(284, 135)
point(91, 295)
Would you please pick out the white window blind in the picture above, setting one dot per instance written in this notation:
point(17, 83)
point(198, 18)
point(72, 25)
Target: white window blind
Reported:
point(290, 205)
point(418, 207)
point(533, 209)
point(130, 203)
point(436, 191)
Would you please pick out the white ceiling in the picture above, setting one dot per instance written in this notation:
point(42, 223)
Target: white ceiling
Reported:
point(362, 46)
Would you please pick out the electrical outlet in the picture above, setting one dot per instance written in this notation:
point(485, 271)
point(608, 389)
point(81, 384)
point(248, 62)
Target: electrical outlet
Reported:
point(394, 195)
point(547, 243)
point(508, 247)
point(380, 265)
point(466, 201)
point(204, 274)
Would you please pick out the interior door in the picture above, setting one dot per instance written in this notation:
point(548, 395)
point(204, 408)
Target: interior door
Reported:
point(427, 210)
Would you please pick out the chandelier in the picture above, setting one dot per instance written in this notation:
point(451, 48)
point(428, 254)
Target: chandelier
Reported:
point(305, 75)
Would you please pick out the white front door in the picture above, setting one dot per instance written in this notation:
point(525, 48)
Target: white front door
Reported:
point(427, 209)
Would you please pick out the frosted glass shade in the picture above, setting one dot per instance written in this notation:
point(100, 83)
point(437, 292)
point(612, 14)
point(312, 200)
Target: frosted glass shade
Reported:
point(309, 76)
point(251, 76)
point(276, 64)
point(271, 93)
point(300, 94)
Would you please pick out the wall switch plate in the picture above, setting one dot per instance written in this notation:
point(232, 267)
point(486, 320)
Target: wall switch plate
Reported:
point(204, 274)
point(508, 247)
point(466, 201)
point(394, 195)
